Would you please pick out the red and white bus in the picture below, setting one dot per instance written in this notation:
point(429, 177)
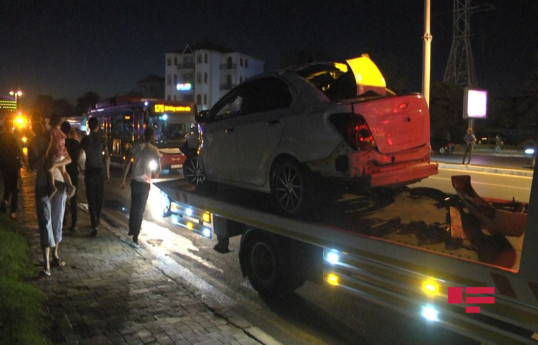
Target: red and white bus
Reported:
point(124, 119)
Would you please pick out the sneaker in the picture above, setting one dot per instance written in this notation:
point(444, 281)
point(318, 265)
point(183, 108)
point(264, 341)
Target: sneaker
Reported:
point(57, 262)
point(135, 245)
point(94, 232)
point(71, 190)
point(45, 273)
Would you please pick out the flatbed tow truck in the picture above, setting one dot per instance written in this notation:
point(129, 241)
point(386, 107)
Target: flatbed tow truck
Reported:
point(440, 257)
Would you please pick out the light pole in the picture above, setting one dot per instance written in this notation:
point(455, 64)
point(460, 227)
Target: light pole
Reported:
point(16, 94)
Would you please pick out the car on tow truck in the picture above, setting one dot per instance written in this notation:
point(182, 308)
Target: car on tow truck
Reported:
point(277, 133)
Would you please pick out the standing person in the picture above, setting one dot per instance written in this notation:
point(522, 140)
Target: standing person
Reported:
point(11, 159)
point(73, 148)
point(145, 158)
point(96, 171)
point(50, 211)
point(470, 140)
point(498, 143)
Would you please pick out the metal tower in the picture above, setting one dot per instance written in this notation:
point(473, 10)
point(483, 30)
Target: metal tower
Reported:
point(460, 66)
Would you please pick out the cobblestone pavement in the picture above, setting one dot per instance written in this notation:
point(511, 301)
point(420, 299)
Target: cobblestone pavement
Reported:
point(111, 293)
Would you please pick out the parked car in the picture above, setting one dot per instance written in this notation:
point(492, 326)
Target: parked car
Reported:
point(442, 146)
point(275, 132)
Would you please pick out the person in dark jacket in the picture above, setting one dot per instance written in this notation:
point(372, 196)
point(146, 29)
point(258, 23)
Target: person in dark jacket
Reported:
point(73, 148)
point(11, 160)
point(96, 171)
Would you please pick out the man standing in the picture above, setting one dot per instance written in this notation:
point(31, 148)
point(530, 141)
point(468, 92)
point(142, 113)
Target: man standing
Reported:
point(96, 171)
point(470, 140)
point(50, 211)
point(145, 158)
point(11, 157)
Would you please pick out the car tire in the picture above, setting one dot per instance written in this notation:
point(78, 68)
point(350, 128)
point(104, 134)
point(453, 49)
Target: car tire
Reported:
point(193, 171)
point(289, 187)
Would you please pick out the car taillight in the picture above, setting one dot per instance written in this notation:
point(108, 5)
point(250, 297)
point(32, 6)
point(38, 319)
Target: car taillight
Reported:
point(355, 131)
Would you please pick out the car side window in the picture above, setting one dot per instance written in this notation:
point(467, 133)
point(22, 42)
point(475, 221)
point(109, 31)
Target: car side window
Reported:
point(265, 94)
point(259, 95)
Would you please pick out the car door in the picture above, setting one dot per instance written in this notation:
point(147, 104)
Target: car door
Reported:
point(259, 127)
point(218, 148)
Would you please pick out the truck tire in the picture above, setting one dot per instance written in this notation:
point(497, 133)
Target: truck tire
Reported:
point(269, 269)
point(193, 171)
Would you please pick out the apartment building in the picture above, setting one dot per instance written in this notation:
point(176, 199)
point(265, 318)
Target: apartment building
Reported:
point(204, 72)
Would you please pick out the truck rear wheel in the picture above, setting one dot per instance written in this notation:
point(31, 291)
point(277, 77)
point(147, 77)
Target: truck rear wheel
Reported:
point(268, 269)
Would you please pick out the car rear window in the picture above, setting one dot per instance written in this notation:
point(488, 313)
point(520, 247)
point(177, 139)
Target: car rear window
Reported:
point(336, 81)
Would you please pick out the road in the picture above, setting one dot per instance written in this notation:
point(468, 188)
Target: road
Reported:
point(315, 314)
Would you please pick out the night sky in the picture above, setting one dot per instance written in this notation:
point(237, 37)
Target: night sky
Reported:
point(67, 48)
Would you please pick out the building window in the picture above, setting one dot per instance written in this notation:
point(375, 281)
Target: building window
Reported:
point(246, 63)
point(199, 77)
point(229, 62)
point(199, 99)
point(169, 98)
point(241, 62)
point(175, 79)
point(168, 79)
point(240, 79)
point(205, 99)
point(199, 58)
point(205, 77)
point(169, 62)
point(175, 60)
point(205, 58)
point(229, 81)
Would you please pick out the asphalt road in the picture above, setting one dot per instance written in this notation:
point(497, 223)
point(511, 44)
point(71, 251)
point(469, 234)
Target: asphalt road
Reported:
point(315, 314)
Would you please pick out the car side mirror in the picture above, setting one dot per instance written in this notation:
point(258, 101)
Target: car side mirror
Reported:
point(202, 116)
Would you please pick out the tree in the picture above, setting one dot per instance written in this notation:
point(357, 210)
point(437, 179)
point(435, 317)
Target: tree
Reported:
point(44, 105)
point(446, 104)
point(86, 102)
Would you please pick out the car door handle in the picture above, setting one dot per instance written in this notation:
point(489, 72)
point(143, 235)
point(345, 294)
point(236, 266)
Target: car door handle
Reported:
point(229, 130)
point(273, 122)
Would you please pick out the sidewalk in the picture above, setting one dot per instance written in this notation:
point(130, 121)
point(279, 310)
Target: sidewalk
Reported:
point(111, 293)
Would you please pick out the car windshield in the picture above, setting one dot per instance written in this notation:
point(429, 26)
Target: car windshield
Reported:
point(335, 80)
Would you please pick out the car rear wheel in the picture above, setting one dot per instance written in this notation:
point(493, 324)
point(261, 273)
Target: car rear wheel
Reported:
point(289, 186)
point(193, 171)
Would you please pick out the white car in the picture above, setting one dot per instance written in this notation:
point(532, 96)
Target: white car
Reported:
point(276, 132)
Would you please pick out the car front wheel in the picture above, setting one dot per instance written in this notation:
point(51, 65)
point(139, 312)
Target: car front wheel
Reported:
point(193, 171)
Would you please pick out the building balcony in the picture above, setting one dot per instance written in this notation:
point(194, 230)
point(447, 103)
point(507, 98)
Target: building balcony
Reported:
point(189, 65)
point(228, 66)
point(227, 86)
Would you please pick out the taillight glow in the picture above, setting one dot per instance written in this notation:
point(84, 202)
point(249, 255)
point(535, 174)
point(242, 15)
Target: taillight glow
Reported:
point(355, 131)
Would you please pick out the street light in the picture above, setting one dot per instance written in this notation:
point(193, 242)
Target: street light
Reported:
point(16, 94)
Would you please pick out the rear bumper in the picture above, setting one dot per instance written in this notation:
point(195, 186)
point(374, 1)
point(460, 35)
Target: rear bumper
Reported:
point(172, 161)
point(397, 169)
point(403, 175)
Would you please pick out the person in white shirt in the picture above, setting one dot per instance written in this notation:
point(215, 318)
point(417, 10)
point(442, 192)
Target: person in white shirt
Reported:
point(145, 159)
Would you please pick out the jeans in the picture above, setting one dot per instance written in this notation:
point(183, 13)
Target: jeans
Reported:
point(95, 184)
point(139, 198)
point(11, 187)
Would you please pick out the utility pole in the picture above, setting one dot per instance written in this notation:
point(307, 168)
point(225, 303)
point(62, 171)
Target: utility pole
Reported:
point(426, 63)
point(460, 68)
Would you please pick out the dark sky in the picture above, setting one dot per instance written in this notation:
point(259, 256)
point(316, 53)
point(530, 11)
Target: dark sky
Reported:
point(67, 48)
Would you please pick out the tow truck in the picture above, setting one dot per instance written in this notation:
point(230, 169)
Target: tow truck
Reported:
point(445, 258)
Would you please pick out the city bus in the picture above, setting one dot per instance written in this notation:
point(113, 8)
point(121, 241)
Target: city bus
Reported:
point(124, 119)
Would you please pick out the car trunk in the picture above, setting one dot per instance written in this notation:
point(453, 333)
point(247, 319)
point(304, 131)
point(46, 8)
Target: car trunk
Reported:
point(397, 123)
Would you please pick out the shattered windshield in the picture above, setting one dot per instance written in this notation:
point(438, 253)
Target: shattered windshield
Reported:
point(335, 80)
